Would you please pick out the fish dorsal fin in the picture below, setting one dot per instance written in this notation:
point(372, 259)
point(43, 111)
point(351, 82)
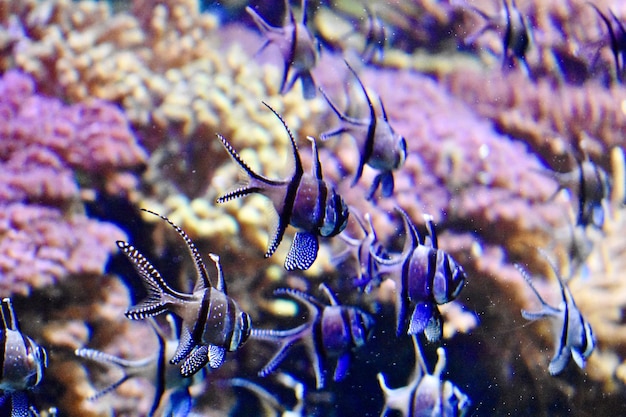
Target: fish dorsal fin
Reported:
point(8, 315)
point(304, 13)
point(201, 272)
point(383, 111)
point(329, 294)
point(420, 368)
point(317, 166)
point(313, 305)
point(284, 216)
point(432, 234)
point(368, 145)
point(221, 284)
point(412, 239)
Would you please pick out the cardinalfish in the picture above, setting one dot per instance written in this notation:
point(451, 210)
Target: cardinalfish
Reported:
point(332, 331)
point(574, 335)
point(155, 368)
point(212, 322)
point(304, 201)
point(360, 250)
point(380, 146)
point(425, 394)
point(617, 41)
point(23, 363)
point(425, 276)
point(515, 32)
point(590, 185)
point(296, 44)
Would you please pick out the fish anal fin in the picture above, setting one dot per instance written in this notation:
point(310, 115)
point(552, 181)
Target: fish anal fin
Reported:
point(185, 345)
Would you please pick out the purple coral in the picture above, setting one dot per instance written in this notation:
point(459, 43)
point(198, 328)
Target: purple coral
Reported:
point(42, 143)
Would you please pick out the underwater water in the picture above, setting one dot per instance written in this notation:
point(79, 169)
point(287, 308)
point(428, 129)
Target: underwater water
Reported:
point(355, 208)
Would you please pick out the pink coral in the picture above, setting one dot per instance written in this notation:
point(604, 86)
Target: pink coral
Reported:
point(44, 237)
point(39, 246)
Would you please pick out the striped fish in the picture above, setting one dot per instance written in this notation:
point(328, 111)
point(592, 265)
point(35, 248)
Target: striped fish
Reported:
point(23, 363)
point(154, 368)
point(333, 331)
point(212, 322)
point(591, 186)
point(304, 201)
point(380, 146)
point(296, 44)
point(617, 41)
point(426, 394)
point(575, 337)
point(424, 276)
point(360, 250)
point(516, 38)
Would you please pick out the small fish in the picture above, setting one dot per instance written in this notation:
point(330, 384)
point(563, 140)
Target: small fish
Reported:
point(23, 363)
point(296, 44)
point(304, 201)
point(591, 185)
point(361, 249)
point(426, 394)
point(617, 41)
point(425, 277)
point(575, 336)
point(332, 331)
point(273, 403)
point(212, 322)
point(375, 37)
point(379, 145)
point(516, 38)
point(154, 367)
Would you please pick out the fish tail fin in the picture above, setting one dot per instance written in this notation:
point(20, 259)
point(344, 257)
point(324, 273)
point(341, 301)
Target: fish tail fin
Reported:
point(159, 293)
point(286, 338)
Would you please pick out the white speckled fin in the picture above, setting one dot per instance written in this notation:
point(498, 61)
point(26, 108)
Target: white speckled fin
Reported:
point(195, 361)
point(185, 345)
point(303, 251)
point(216, 356)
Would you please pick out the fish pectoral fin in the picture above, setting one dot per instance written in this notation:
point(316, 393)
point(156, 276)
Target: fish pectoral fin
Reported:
point(216, 356)
point(579, 358)
point(303, 251)
point(196, 360)
point(426, 318)
point(308, 85)
point(387, 183)
point(342, 367)
point(185, 345)
point(560, 360)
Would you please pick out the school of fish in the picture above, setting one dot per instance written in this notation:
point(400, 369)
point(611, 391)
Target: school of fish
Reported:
point(203, 325)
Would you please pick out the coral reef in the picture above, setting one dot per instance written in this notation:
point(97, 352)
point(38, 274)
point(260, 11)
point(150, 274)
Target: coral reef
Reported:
point(44, 144)
point(476, 140)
